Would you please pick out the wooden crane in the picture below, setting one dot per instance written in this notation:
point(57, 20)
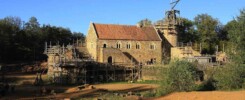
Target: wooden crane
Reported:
point(174, 3)
point(172, 14)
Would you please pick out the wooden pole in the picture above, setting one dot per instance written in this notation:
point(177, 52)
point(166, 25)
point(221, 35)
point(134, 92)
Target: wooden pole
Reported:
point(200, 47)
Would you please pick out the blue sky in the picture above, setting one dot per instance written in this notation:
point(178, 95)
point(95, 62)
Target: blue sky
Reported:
point(77, 14)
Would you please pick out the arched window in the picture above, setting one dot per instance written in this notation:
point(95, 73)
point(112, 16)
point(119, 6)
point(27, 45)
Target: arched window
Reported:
point(138, 45)
point(119, 44)
point(152, 46)
point(128, 45)
point(104, 45)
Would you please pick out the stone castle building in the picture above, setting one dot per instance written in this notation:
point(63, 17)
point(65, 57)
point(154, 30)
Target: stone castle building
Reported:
point(139, 44)
point(124, 44)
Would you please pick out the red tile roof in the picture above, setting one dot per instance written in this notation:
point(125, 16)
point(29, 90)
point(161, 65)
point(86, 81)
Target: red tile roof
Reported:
point(126, 32)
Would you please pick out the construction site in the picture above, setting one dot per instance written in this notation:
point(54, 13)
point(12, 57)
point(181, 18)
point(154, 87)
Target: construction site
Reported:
point(73, 65)
point(111, 53)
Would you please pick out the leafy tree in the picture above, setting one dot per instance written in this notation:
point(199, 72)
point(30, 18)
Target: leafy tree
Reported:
point(57, 34)
point(32, 24)
point(236, 34)
point(180, 76)
point(78, 36)
point(25, 41)
point(187, 33)
point(145, 22)
point(208, 28)
point(9, 28)
point(232, 75)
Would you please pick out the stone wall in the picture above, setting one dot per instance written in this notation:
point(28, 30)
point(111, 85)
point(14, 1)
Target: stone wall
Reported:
point(91, 41)
point(116, 55)
point(143, 54)
point(171, 36)
point(183, 52)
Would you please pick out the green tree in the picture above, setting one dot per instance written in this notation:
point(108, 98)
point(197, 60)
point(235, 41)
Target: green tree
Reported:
point(145, 22)
point(9, 28)
point(57, 34)
point(232, 75)
point(236, 35)
point(187, 33)
point(34, 34)
point(32, 24)
point(208, 28)
point(25, 41)
point(180, 76)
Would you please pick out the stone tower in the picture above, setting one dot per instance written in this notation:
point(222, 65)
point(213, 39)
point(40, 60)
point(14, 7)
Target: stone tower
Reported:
point(168, 31)
point(168, 27)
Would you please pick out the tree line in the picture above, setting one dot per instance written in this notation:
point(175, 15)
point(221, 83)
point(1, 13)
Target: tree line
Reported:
point(20, 41)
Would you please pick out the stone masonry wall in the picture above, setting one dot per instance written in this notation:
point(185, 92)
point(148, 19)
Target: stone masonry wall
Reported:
point(91, 41)
point(144, 54)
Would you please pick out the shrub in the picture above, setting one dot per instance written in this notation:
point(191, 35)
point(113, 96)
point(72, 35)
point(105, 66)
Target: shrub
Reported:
point(180, 76)
point(230, 77)
point(207, 85)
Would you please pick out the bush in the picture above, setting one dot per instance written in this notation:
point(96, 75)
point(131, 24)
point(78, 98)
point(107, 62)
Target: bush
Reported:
point(180, 76)
point(208, 82)
point(207, 85)
point(230, 77)
point(149, 94)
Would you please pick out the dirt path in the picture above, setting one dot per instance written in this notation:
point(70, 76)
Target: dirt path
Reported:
point(100, 88)
point(30, 92)
point(210, 95)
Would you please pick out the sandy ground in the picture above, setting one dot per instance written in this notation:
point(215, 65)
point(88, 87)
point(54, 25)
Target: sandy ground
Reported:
point(29, 92)
point(209, 95)
point(25, 90)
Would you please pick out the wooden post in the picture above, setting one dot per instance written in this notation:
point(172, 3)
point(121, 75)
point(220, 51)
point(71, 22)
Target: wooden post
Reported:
point(200, 47)
point(124, 74)
point(114, 73)
point(106, 72)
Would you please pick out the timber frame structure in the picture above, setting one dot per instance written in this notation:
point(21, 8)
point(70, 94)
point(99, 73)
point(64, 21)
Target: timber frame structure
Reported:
point(80, 69)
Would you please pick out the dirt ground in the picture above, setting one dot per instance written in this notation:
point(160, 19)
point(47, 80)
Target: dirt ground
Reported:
point(25, 90)
point(209, 95)
point(31, 92)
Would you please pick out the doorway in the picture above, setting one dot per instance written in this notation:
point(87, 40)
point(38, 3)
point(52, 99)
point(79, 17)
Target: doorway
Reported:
point(109, 60)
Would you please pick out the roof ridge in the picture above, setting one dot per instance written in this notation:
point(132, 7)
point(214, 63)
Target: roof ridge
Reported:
point(114, 24)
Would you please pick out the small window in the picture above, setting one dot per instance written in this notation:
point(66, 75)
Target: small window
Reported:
point(152, 46)
point(118, 44)
point(137, 46)
point(104, 45)
point(128, 45)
